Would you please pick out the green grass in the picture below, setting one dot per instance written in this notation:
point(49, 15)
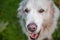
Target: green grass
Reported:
point(8, 13)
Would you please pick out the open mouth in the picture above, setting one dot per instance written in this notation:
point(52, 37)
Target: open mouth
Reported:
point(34, 35)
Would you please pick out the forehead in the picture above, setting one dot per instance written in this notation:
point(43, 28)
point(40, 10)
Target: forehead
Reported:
point(37, 4)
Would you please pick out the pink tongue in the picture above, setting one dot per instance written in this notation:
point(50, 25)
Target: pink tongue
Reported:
point(34, 35)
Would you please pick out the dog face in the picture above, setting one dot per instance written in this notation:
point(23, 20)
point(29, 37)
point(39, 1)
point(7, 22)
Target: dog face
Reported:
point(35, 12)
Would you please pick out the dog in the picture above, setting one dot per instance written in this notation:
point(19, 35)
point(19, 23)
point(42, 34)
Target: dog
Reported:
point(38, 18)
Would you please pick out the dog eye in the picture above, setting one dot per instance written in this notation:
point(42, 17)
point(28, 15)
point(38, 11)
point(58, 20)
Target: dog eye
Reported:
point(26, 10)
point(41, 11)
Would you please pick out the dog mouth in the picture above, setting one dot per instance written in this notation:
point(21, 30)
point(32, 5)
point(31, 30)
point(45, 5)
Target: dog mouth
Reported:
point(34, 36)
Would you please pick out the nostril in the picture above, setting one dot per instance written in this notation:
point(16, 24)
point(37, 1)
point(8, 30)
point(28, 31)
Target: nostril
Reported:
point(32, 27)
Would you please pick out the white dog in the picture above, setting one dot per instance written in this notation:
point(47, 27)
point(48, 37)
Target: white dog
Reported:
point(38, 18)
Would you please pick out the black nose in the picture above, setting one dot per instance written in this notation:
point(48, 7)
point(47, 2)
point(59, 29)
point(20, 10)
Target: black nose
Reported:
point(32, 27)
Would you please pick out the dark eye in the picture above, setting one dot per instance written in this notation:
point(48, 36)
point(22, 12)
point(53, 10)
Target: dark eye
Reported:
point(41, 11)
point(26, 10)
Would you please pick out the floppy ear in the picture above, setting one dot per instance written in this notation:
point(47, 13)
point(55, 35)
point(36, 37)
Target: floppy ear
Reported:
point(47, 23)
point(21, 14)
point(51, 9)
point(21, 8)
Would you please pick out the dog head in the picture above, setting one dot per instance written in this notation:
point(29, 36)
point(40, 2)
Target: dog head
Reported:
point(35, 13)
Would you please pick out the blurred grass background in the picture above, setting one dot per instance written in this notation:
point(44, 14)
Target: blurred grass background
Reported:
point(10, 28)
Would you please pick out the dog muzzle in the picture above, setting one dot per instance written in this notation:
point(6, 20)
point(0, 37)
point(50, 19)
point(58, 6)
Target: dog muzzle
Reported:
point(32, 27)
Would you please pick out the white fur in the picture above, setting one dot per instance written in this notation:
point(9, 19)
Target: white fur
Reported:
point(36, 17)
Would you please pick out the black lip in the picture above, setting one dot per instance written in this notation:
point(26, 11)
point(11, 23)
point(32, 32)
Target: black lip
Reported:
point(32, 38)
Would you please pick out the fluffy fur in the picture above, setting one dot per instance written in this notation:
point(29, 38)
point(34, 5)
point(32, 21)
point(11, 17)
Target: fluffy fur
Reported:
point(46, 21)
